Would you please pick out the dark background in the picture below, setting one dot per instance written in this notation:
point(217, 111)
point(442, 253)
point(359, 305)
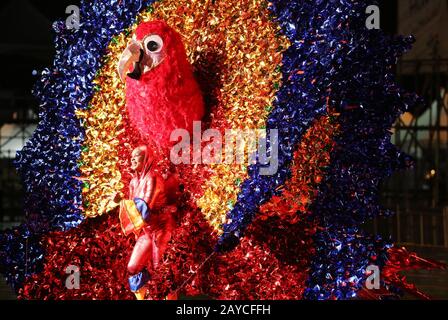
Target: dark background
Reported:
point(27, 39)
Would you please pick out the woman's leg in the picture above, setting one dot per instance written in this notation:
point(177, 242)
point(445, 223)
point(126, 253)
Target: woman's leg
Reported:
point(139, 260)
point(161, 239)
point(141, 254)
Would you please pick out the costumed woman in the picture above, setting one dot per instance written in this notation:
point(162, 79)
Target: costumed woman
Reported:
point(149, 215)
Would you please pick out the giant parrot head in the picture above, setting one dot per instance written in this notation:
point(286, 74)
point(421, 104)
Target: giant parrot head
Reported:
point(152, 43)
point(162, 94)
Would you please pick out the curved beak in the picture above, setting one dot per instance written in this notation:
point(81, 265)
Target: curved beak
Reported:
point(133, 54)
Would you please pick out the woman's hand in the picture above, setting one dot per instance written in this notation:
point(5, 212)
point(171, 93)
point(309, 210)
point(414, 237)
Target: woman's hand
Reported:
point(116, 197)
point(113, 201)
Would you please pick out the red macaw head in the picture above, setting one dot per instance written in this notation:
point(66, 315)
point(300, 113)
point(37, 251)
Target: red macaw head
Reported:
point(154, 42)
point(161, 91)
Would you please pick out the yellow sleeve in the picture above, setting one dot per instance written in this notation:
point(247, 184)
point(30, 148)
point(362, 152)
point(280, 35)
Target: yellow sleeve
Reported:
point(130, 218)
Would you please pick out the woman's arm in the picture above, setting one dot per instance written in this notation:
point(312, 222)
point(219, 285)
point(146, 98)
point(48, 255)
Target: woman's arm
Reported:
point(155, 193)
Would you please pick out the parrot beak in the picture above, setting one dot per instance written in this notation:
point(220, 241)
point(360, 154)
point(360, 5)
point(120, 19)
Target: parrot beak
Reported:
point(133, 54)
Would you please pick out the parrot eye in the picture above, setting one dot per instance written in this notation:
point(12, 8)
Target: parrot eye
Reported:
point(154, 43)
point(152, 46)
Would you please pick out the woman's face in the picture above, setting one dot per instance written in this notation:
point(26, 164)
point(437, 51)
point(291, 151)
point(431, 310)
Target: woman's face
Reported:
point(137, 159)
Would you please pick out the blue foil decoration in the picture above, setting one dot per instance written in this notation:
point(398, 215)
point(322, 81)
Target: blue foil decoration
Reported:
point(48, 162)
point(351, 66)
